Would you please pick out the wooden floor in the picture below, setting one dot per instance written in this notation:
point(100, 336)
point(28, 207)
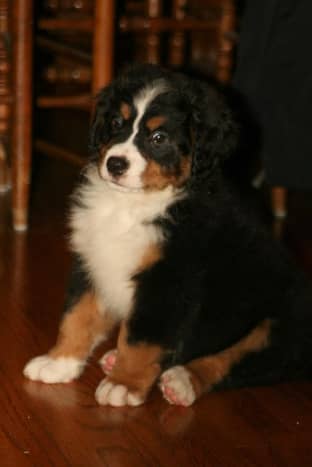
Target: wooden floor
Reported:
point(62, 425)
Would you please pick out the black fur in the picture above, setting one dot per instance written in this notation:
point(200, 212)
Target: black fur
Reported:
point(221, 273)
point(78, 283)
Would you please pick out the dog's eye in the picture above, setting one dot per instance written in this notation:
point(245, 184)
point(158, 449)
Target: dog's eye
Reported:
point(158, 138)
point(117, 123)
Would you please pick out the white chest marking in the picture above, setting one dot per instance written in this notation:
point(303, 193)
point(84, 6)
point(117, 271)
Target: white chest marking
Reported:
point(111, 233)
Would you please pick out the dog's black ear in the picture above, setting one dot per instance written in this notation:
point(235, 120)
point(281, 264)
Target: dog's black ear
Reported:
point(215, 132)
point(100, 130)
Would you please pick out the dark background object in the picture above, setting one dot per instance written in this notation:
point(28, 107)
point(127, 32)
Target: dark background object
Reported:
point(274, 73)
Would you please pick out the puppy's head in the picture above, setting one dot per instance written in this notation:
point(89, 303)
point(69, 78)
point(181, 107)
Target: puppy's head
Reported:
point(154, 128)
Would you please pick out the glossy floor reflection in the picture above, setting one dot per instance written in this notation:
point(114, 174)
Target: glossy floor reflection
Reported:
point(62, 425)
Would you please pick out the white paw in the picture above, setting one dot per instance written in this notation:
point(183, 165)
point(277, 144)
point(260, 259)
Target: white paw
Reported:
point(176, 386)
point(116, 395)
point(107, 362)
point(53, 370)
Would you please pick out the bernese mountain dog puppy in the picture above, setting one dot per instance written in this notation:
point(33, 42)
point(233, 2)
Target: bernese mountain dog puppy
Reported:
point(165, 248)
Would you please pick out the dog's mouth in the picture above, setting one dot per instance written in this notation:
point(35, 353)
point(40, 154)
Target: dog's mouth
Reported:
point(120, 180)
point(118, 186)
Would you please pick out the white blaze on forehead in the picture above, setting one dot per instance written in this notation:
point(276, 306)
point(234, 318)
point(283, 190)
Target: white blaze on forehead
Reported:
point(137, 163)
point(143, 99)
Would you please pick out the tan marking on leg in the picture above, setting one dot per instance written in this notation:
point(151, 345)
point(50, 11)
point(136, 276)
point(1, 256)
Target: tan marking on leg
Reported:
point(156, 177)
point(82, 327)
point(208, 371)
point(137, 366)
point(125, 110)
point(155, 122)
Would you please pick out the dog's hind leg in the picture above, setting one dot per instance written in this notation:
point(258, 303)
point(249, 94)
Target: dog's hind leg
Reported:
point(182, 385)
point(84, 326)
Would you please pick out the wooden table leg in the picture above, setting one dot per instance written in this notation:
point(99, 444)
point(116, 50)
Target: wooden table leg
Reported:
point(22, 110)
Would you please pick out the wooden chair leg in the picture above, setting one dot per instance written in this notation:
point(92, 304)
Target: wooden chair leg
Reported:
point(226, 43)
point(4, 171)
point(5, 94)
point(279, 202)
point(103, 50)
point(22, 114)
point(153, 10)
point(177, 39)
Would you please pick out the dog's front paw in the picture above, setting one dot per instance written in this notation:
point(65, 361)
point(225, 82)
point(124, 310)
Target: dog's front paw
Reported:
point(107, 362)
point(53, 370)
point(177, 387)
point(116, 395)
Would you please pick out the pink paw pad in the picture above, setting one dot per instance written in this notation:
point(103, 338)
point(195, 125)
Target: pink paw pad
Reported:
point(176, 387)
point(172, 397)
point(107, 362)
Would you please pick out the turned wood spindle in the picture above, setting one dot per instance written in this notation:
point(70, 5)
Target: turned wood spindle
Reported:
point(5, 95)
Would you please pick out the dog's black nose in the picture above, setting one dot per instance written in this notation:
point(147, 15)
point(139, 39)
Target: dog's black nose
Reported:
point(117, 165)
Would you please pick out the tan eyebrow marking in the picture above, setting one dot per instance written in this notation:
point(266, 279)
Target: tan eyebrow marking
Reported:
point(125, 110)
point(155, 122)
